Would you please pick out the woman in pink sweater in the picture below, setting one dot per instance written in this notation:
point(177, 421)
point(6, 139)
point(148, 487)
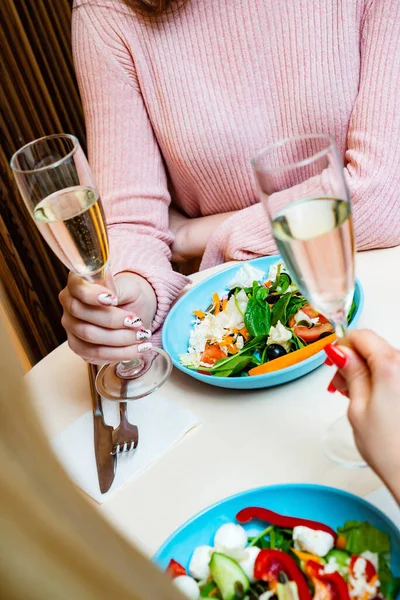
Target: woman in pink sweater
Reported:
point(178, 105)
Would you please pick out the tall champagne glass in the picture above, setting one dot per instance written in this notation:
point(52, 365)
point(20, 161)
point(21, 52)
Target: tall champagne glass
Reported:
point(59, 190)
point(302, 185)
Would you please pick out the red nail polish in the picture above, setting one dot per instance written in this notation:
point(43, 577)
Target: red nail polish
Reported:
point(343, 393)
point(331, 388)
point(337, 357)
point(328, 362)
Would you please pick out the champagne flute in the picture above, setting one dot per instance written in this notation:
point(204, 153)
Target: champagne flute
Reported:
point(59, 190)
point(302, 185)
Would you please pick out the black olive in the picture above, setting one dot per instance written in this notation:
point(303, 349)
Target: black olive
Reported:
point(325, 334)
point(232, 291)
point(275, 351)
point(272, 298)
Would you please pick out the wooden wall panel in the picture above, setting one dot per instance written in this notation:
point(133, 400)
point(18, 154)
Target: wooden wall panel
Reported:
point(39, 97)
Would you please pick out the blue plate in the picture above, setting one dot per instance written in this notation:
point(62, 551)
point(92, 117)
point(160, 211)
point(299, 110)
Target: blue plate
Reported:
point(319, 503)
point(179, 322)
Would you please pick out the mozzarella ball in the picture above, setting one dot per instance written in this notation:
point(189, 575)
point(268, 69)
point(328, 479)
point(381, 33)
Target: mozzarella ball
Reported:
point(247, 562)
point(231, 540)
point(199, 563)
point(188, 586)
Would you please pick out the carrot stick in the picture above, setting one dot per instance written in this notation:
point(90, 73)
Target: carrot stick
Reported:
point(293, 357)
point(268, 283)
point(305, 556)
point(341, 542)
point(199, 313)
point(224, 303)
point(217, 303)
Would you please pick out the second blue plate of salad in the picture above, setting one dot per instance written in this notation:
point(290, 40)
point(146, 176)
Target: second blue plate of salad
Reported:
point(249, 327)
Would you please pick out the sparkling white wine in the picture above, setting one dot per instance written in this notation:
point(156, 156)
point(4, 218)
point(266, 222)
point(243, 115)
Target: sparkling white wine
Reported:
point(72, 223)
point(315, 238)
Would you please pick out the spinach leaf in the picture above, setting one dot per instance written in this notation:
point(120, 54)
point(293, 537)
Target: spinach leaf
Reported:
point(361, 536)
point(295, 304)
point(284, 282)
point(352, 311)
point(390, 586)
point(261, 293)
point(279, 310)
point(257, 317)
point(233, 367)
point(296, 341)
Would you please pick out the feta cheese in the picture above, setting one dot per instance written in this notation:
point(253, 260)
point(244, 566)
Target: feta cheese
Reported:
point(372, 557)
point(302, 316)
point(314, 541)
point(273, 270)
point(279, 335)
point(199, 563)
point(359, 585)
point(188, 586)
point(331, 566)
point(231, 540)
point(239, 342)
point(247, 562)
point(233, 315)
point(245, 276)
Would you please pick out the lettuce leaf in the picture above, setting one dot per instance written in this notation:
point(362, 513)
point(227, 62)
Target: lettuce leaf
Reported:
point(362, 536)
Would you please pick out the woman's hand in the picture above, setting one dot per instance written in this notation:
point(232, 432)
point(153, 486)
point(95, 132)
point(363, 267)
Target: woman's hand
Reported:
point(191, 235)
point(105, 328)
point(369, 374)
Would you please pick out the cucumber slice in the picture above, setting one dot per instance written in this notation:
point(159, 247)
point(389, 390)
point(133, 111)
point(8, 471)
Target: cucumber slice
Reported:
point(230, 578)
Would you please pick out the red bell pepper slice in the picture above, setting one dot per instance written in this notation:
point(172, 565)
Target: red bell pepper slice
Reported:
point(269, 516)
point(268, 565)
point(370, 570)
point(175, 569)
point(327, 586)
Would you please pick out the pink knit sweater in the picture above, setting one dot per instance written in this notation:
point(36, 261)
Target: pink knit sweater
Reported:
point(176, 110)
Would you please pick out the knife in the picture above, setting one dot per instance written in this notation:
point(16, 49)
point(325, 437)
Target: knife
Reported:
point(105, 461)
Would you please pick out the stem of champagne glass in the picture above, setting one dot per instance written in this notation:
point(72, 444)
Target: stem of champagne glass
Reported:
point(127, 369)
point(341, 330)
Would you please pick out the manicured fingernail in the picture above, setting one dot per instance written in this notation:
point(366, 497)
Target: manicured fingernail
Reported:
point(108, 299)
point(328, 362)
point(331, 388)
point(143, 334)
point(133, 322)
point(337, 356)
point(343, 393)
point(145, 347)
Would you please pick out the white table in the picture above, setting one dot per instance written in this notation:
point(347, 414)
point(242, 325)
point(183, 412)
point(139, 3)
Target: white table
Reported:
point(247, 439)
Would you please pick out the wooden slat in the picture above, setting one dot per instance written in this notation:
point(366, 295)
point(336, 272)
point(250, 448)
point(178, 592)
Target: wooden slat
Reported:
point(39, 97)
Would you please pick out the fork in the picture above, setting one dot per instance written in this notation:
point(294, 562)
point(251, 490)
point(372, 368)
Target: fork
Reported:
point(126, 436)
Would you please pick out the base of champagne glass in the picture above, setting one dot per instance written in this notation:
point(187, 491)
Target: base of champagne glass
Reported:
point(154, 372)
point(340, 447)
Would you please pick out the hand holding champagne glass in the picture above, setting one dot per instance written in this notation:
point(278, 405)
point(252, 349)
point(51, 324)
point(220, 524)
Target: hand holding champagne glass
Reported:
point(58, 188)
point(301, 182)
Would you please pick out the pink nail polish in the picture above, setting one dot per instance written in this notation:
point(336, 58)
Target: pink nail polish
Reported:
point(108, 299)
point(143, 334)
point(133, 322)
point(145, 347)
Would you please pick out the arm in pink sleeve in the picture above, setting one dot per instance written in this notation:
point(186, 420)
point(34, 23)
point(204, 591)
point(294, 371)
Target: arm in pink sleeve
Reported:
point(124, 154)
point(372, 158)
point(373, 144)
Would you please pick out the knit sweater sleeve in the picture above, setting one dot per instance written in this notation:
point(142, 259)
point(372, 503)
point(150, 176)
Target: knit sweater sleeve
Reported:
point(372, 156)
point(123, 153)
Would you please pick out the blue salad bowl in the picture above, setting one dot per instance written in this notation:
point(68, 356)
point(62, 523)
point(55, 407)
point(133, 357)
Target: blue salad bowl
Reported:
point(179, 322)
point(319, 503)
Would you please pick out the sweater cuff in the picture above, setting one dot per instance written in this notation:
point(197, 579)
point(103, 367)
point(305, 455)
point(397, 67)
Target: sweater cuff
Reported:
point(244, 235)
point(146, 257)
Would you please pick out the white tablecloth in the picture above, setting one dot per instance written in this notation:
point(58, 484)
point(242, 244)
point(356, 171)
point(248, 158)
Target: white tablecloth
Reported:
point(248, 438)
